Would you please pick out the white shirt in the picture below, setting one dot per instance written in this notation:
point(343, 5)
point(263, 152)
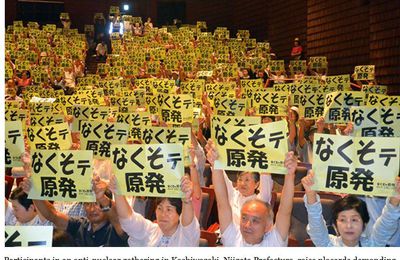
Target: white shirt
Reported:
point(11, 220)
point(233, 237)
point(236, 199)
point(144, 233)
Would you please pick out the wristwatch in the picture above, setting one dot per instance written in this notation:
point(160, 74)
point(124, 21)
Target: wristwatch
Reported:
point(106, 208)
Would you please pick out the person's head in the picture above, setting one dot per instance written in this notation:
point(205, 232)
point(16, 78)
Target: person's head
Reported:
point(23, 208)
point(168, 211)
point(25, 74)
point(21, 90)
point(247, 183)
point(309, 134)
point(296, 42)
point(148, 19)
point(256, 219)
point(245, 72)
point(142, 72)
point(175, 75)
point(309, 123)
point(350, 216)
point(10, 84)
point(93, 211)
point(294, 113)
point(62, 238)
point(266, 119)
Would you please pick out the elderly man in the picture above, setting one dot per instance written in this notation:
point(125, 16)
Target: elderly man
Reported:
point(100, 227)
point(256, 217)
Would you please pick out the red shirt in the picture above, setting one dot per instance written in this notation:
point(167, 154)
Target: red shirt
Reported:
point(297, 49)
point(24, 82)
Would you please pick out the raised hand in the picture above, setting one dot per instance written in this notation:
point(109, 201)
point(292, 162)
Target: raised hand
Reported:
point(212, 153)
point(308, 181)
point(192, 154)
point(320, 124)
point(349, 128)
point(302, 122)
point(187, 188)
point(99, 187)
point(25, 184)
point(290, 163)
point(112, 185)
point(27, 163)
point(395, 200)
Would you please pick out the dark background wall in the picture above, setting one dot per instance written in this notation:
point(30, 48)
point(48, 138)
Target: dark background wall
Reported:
point(349, 33)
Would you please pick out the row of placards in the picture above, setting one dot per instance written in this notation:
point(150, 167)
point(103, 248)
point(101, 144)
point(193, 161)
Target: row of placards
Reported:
point(340, 162)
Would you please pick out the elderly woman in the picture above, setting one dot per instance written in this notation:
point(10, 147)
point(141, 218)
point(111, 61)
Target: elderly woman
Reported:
point(176, 223)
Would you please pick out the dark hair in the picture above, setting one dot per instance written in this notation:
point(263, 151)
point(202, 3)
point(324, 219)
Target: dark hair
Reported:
point(22, 198)
point(62, 238)
point(350, 202)
point(28, 73)
point(177, 203)
point(255, 175)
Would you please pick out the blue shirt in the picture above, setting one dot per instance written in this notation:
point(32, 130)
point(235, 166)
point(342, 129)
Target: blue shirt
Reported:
point(383, 230)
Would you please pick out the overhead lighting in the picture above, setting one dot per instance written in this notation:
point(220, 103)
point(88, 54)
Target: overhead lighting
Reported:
point(126, 7)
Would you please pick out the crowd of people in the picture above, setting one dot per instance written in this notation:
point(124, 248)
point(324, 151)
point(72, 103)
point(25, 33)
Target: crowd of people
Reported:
point(245, 213)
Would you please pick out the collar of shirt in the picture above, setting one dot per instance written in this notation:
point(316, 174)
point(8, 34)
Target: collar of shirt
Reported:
point(90, 229)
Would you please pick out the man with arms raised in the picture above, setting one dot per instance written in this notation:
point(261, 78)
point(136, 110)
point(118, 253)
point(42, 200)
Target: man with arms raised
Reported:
point(256, 223)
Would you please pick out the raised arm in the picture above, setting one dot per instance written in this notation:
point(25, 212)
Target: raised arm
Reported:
point(284, 213)
point(308, 182)
point(320, 125)
point(386, 224)
point(135, 225)
point(395, 200)
point(266, 186)
point(122, 206)
point(99, 188)
point(187, 206)
point(316, 227)
point(221, 194)
point(292, 127)
point(302, 125)
point(46, 209)
point(195, 159)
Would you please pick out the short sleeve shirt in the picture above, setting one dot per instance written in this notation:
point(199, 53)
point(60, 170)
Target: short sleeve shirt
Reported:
point(106, 236)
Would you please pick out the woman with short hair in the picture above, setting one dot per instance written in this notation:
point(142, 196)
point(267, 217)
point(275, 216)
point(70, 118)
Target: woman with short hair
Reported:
point(176, 224)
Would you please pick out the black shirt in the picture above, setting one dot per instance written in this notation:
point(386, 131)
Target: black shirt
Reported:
point(84, 236)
